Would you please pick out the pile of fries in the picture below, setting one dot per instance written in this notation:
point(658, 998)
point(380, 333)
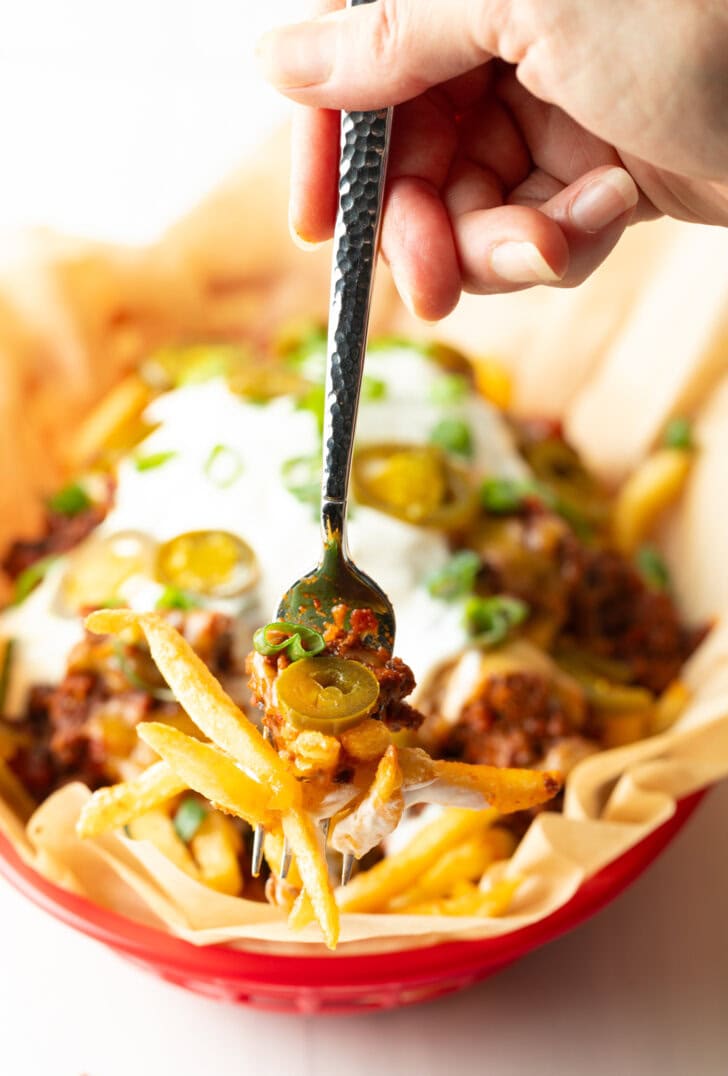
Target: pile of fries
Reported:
point(241, 776)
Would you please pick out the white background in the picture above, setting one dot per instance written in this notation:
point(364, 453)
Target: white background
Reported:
point(113, 119)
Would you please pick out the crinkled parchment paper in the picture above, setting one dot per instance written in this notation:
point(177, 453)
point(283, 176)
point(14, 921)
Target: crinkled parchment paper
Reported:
point(645, 339)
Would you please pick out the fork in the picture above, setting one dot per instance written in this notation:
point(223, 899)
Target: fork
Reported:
point(337, 580)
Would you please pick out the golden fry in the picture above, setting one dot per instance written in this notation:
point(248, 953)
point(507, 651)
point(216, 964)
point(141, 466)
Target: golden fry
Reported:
point(376, 815)
point(649, 490)
point(669, 707)
point(506, 790)
point(215, 848)
point(202, 697)
point(304, 842)
point(372, 890)
point(122, 406)
point(205, 769)
point(157, 827)
point(367, 740)
point(471, 901)
point(302, 912)
point(116, 805)
point(273, 852)
point(465, 863)
point(618, 730)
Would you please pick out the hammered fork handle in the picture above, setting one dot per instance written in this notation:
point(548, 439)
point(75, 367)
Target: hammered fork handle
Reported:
point(362, 169)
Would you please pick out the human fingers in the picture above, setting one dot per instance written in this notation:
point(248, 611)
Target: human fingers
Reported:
point(378, 54)
point(313, 191)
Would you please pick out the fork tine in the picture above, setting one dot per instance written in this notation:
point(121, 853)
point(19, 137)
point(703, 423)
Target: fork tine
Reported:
point(256, 859)
point(325, 824)
point(285, 859)
point(347, 864)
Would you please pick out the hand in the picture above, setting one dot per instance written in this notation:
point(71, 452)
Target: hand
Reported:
point(528, 133)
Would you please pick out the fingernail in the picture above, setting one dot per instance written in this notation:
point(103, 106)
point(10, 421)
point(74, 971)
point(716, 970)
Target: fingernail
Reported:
point(603, 200)
point(521, 263)
point(298, 56)
point(298, 239)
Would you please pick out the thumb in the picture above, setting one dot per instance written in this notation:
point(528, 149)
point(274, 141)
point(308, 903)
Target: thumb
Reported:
point(379, 54)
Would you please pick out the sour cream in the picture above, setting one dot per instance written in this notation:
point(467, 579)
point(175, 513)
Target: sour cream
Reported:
point(182, 495)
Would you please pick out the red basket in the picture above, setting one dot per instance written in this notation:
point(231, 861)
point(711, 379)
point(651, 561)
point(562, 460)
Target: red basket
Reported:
point(333, 983)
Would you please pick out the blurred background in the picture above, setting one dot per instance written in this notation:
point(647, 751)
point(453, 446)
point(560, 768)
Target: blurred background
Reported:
point(116, 117)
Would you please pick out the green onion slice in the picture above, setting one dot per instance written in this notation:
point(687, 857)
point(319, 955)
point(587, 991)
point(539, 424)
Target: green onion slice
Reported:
point(449, 389)
point(296, 640)
point(70, 500)
point(28, 580)
point(503, 496)
point(679, 434)
point(454, 435)
point(373, 389)
point(223, 466)
point(652, 568)
point(188, 818)
point(154, 460)
point(489, 621)
point(456, 578)
point(302, 478)
point(175, 598)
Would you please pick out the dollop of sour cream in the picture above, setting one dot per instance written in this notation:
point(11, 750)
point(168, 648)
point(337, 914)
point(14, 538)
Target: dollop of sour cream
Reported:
point(196, 422)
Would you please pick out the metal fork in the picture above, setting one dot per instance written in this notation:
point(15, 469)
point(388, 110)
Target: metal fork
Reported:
point(337, 580)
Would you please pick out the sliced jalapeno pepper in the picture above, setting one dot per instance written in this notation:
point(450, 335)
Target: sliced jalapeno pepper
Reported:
point(415, 483)
point(327, 694)
point(214, 563)
point(99, 567)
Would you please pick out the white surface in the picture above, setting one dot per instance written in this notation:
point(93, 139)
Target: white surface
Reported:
point(628, 993)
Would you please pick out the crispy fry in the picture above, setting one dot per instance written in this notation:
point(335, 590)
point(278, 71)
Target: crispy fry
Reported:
point(215, 848)
point(470, 901)
point(273, 852)
point(202, 697)
point(377, 814)
point(302, 912)
point(620, 729)
point(207, 770)
point(122, 405)
point(648, 491)
point(157, 826)
point(505, 789)
point(669, 706)
point(372, 890)
point(116, 805)
point(315, 752)
point(304, 841)
point(465, 863)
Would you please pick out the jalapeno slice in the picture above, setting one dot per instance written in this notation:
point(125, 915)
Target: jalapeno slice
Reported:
point(575, 493)
point(415, 483)
point(214, 563)
point(327, 694)
point(99, 568)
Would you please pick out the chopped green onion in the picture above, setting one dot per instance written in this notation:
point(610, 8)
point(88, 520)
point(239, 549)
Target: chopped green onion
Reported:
point(489, 621)
point(454, 436)
point(373, 389)
point(652, 568)
point(223, 467)
point(6, 664)
point(502, 496)
point(302, 478)
point(156, 459)
point(449, 389)
point(188, 818)
point(679, 434)
point(314, 400)
point(70, 501)
point(28, 580)
point(456, 578)
point(174, 598)
point(296, 640)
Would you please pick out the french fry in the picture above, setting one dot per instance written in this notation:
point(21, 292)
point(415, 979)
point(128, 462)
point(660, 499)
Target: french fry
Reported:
point(315, 752)
point(376, 815)
point(157, 827)
point(215, 848)
point(116, 805)
point(273, 852)
point(372, 890)
point(123, 405)
point(618, 730)
point(305, 846)
point(470, 901)
point(465, 863)
point(367, 740)
point(202, 697)
point(669, 706)
point(205, 769)
point(302, 912)
point(649, 490)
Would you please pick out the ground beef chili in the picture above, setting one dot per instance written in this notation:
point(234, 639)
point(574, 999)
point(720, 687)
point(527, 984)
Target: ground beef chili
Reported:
point(82, 727)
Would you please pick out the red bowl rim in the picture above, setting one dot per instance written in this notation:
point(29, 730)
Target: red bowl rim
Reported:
point(176, 958)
